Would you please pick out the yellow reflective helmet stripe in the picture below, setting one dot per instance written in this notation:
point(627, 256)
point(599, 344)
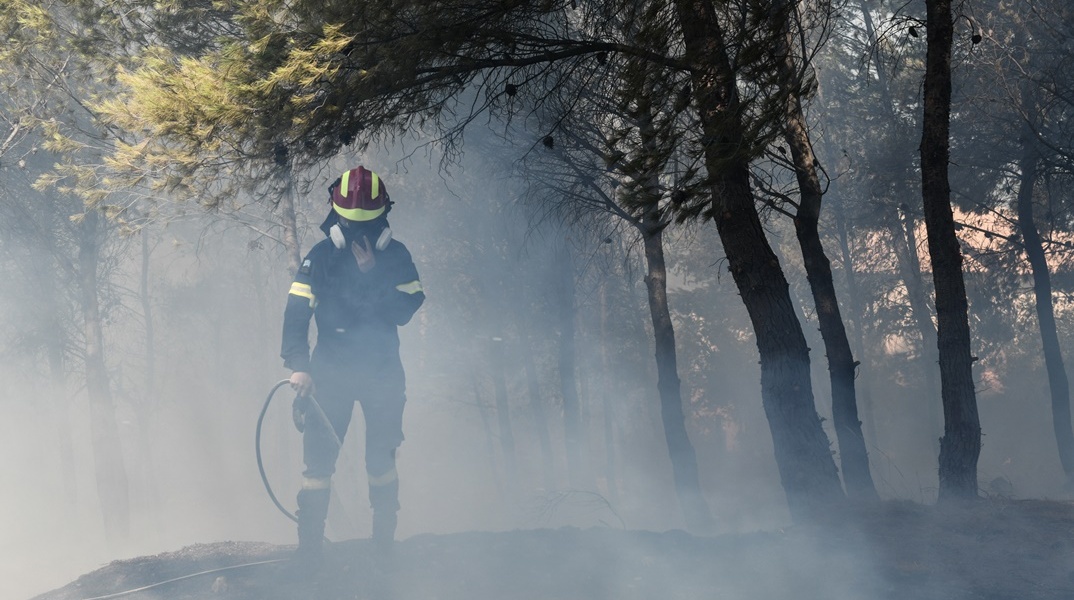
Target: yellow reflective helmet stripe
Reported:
point(344, 184)
point(358, 214)
point(410, 288)
point(301, 289)
point(376, 185)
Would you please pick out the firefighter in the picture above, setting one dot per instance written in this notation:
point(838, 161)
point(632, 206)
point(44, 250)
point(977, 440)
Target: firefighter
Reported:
point(360, 285)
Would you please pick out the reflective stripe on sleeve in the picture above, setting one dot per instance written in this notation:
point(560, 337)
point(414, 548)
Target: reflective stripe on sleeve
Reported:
point(302, 289)
point(410, 288)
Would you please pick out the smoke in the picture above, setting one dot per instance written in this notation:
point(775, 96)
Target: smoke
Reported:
point(218, 291)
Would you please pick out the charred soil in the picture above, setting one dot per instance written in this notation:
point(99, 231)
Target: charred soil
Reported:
point(997, 549)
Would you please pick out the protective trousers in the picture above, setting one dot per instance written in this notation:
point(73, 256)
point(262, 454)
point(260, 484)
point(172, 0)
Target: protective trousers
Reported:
point(379, 385)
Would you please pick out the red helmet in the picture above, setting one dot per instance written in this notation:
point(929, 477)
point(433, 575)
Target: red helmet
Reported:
point(360, 195)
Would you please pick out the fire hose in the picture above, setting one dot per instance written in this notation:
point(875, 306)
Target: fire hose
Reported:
point(312, 406)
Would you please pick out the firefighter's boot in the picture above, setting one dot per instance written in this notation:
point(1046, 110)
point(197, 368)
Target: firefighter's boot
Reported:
point(384, 498)
point(384, 522)
point(311, 513)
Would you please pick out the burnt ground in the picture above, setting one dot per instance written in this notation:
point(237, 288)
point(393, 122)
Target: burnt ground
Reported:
point(999, 549)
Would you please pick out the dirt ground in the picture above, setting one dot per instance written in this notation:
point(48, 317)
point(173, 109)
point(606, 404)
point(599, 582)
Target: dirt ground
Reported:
point(999, 549)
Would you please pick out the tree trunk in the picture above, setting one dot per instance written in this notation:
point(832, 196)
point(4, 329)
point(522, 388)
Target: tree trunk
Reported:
point(56, 341)
point(802, 450)
point(147, 315)
point(503, 414)
point(540, 416)
point(858, 311)
point(1058, 383)
point(841, 364)
point(49, 274)
point(572, 414)
point(881, 74)
point(960, 447)
point(290, 222)
point(490, 445)
point(607, 406)
point(905, 242)
point(683, 457)
point(112, 487)
point(146, 408)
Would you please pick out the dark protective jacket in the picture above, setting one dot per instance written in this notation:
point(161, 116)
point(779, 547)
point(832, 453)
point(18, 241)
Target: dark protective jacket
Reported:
point(355, 312)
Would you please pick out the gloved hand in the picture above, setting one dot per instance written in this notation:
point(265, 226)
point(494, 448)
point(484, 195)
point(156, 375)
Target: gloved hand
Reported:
point(302, 383)
point(298, 412)
point(363, 255)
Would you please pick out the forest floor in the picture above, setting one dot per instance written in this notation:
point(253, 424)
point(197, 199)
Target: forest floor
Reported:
point(999, 549)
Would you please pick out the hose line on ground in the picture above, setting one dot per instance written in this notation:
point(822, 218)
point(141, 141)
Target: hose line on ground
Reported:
point(192, 575)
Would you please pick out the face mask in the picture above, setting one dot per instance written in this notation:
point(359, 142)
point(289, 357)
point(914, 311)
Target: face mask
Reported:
point(343, 237)
point(335, 233)
point(384, 239)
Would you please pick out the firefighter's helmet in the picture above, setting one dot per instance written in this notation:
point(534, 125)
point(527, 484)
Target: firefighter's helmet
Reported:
point(360, 195)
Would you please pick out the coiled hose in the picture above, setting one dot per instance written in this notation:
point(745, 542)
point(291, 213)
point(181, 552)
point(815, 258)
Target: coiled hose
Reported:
point(317, 411)
point(257, 449)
